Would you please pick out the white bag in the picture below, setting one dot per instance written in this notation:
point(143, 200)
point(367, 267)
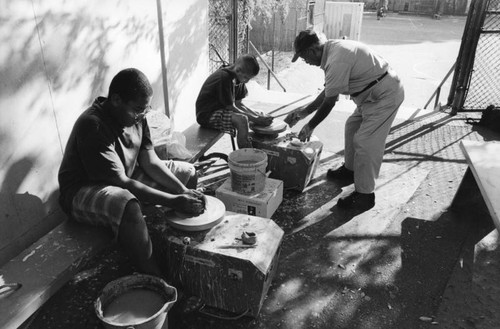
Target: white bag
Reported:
point(168, 144)
point(176, 146)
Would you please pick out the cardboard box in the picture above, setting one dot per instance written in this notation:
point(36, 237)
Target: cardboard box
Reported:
point(295, 165)
point(262, 204)
point(230, 279)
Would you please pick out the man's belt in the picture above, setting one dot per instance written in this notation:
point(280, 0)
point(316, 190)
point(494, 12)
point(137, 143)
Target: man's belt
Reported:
point(371, 84)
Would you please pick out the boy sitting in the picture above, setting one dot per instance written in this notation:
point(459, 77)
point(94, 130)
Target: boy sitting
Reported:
point(219, 103)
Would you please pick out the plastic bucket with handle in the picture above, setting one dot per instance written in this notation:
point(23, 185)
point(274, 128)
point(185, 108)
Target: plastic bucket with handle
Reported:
point(248, 170)
point(135, 301)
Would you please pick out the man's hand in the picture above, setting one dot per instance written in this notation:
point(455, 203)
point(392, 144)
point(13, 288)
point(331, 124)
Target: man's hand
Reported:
point(294, 117)
point(191, 202)
point(198, 194)
point(305, 133)
point(263, 120)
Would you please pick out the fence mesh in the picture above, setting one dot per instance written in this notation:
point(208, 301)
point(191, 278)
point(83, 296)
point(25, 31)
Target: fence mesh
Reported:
point(243, 18)
point(220, 31)
point(485, 77)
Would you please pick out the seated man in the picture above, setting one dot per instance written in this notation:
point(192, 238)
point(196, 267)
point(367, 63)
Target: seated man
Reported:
point(110, 167)
point(219, 103)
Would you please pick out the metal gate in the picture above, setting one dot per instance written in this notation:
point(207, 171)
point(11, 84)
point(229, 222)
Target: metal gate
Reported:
point(476, 83)
point(228, 33)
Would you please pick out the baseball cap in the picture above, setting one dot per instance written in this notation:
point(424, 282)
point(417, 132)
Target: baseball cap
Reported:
point(304, 40)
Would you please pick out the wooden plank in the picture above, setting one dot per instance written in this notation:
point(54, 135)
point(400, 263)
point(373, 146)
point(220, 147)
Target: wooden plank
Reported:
point(44, 267)
point(483, 159)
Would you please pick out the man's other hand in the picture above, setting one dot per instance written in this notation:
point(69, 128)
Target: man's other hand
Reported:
point(294, 117)
point(192, 202)
point(305, 133)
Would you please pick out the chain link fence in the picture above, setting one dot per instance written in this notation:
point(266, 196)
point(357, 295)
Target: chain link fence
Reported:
point(227, 31)
point(484, 82)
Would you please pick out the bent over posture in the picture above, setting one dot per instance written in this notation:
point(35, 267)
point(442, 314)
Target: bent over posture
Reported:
point(109, 168)
point(352, 68)
point(219, 103)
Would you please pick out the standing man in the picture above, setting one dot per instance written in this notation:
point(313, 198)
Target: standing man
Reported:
point(352, 68)
point(110, 168)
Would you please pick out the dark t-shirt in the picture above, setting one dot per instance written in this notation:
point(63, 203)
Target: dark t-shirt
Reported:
point(97, 149)
point(217, 92)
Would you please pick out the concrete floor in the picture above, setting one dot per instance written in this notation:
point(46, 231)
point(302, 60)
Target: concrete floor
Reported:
point(384, 268)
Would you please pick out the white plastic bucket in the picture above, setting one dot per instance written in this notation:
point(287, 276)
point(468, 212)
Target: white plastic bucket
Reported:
point(136, 301)
point(248, 170)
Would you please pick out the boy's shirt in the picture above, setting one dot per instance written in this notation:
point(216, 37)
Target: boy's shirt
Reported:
point(217, 92)
point(97, 149)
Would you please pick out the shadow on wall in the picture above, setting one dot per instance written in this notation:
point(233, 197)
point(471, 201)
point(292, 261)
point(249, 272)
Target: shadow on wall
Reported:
point(18, 210)
point(184, 71)
point(55, 60)
point(75, 46)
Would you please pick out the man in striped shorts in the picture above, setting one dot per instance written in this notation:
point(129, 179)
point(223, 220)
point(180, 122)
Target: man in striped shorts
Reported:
point(110, 167)
point(219, 103)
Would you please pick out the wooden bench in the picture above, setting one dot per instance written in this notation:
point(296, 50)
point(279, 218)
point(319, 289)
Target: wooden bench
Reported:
point(483, 159)
point(30, 279)
point(198, 141)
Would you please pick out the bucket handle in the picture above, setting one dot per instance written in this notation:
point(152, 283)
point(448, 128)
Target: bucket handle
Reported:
point(236, 317)
point(265, 173)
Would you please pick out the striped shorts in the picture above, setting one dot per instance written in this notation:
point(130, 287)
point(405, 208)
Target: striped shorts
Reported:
point(222, 120)
point(103, 205)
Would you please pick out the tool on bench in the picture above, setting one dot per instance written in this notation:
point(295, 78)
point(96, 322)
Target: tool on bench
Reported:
point(237, 246)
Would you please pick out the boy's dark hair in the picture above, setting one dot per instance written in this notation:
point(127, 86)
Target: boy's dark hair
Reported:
point(249, 64)
point(130, 84)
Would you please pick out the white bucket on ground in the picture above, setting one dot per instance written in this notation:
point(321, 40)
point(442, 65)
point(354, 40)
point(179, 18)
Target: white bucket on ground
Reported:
point(248, 170)
point(136, 301)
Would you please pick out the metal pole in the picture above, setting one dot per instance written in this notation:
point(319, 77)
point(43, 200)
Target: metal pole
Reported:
point(438, 89)
point(162, 54)
point(272, 54)
point(235, 30)
point(267, 66)
point(467, 55)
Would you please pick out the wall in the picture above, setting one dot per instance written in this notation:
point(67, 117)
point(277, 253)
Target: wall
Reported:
point(286, 30)
point(56, 57)
point(446, 7)
point(343, 19)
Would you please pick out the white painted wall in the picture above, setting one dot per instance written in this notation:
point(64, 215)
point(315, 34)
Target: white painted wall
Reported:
point(343, 19)
point(55, 58)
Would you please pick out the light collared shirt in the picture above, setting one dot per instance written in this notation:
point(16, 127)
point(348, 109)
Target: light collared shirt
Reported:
point(349, 66)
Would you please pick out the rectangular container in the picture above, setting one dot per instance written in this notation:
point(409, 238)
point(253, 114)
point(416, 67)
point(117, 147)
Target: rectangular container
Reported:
point(262, 204)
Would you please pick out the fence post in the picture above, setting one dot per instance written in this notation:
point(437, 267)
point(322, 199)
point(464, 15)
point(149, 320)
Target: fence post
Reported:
point(465, 61)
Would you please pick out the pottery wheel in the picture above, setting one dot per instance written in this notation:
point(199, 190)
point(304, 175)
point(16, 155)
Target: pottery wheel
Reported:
point(273, 129)
point(213, 214)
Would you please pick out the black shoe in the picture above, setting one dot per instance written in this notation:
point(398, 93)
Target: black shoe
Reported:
point(356, 200)
point(340, 173)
